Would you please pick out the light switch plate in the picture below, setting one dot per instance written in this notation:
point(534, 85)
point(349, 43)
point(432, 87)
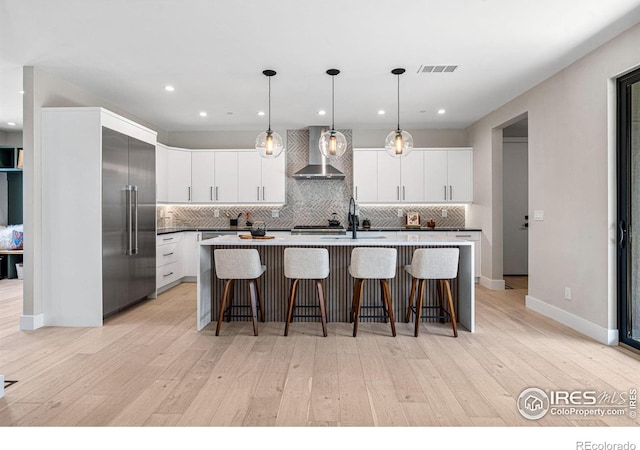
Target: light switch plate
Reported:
point(275, 213)
point(444, 213)
point(538, 214)
point(400, 214)
point(216, 213)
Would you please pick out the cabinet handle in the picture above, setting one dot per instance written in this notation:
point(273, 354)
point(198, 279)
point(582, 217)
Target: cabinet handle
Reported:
point(463, 235)
point(356, 192)
point(258, 193)
point(262, 193)
point(189, 190)
point(167, 254)
point(168, 239)
point(445, 192)
point(450, 193)
point(216, 193)
point(403, 193)
point(167, 274)
point(398, 192)
point(211, 193)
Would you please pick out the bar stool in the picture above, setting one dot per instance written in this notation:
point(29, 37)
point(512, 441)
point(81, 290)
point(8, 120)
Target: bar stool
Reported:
point(239, 264)
point(307, 264)
point(372, 263)
point(439, 264)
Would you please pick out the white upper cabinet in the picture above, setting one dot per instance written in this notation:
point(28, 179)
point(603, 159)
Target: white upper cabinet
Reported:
point(179, 175)
point(424, 176)
point(261, 179)
point(226, 177)
point(162, 167)
point(365, 176)
point(202, 176)
point(448, 175)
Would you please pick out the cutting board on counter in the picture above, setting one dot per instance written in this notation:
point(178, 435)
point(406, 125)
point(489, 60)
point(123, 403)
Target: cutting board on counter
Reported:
point(248, 236)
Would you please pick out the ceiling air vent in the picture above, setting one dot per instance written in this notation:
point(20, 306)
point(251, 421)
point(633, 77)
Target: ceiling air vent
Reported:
point(436, 69)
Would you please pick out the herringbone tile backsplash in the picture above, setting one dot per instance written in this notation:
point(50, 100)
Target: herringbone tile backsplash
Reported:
point(309, 202)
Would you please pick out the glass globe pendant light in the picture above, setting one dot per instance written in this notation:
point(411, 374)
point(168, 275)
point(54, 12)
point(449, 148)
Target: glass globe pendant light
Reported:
point(332, 143)
point(269, 143)
point(398, 143)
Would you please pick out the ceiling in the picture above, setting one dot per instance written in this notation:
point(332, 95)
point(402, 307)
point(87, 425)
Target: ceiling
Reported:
point(213, 53)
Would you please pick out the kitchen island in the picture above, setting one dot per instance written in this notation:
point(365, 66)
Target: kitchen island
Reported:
point(339, 284)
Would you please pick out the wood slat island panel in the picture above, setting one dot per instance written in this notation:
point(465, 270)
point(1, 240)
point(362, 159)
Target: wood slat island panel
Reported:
point(339, 284)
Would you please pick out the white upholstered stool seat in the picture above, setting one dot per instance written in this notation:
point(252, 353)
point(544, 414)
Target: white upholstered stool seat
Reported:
point(439, 264)
point(372, 263)
point(239, 264)
point(306, 264)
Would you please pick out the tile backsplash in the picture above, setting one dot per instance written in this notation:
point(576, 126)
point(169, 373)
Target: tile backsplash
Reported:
point(309, 202)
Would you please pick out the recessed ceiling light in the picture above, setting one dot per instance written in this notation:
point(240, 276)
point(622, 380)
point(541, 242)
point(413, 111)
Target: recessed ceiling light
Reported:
point(229, 113)
point(13, 124)
point(441, 111)
point(322, 112)
point(21, 91)
point(381, 112)
point(169, 88)
point(261, 113)
point(422, 111)
point(203, 114)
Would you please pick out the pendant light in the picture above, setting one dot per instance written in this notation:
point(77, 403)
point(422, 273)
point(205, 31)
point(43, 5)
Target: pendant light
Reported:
point(269, 143)
point(332, 143)
point(398, 143)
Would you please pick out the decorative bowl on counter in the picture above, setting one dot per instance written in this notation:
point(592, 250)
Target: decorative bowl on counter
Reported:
point(258, 229)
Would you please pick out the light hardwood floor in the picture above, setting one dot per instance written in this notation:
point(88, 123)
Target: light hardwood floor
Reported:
point(149, 367)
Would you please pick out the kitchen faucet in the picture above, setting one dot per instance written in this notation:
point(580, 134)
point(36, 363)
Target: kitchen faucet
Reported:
point(353, 219)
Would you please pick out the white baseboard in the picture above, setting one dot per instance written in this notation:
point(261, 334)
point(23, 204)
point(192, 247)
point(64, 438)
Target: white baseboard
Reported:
point(32, 322)
point(495, 285)
point(594, 331)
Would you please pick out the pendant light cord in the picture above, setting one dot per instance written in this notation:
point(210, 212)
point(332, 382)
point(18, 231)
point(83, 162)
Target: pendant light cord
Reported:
point(398, 102)
point(270, 104)
point(332, 102)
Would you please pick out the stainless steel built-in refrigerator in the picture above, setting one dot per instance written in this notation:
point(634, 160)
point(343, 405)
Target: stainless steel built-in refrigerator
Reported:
point(128, 221)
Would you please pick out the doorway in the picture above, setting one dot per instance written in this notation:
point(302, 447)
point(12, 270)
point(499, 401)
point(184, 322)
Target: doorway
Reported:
point(515, 216)
point(628, 175)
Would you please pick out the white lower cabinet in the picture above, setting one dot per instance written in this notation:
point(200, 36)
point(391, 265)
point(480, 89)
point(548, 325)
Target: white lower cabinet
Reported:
point(190, 240)
point(168, 259)
point(475, 237)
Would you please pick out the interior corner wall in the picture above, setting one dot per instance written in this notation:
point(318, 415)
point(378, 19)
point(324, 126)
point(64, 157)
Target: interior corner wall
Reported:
point(45, 90)
point(11, 138)
point(570, 158)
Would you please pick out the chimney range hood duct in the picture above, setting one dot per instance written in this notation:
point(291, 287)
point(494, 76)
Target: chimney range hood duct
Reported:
point(318, 168)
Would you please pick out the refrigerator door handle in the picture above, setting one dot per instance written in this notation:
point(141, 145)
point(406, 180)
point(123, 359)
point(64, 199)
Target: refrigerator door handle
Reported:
point(128, 206)
point(135, 220)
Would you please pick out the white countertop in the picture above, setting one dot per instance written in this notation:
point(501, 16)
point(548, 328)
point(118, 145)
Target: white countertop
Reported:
point(370, 239)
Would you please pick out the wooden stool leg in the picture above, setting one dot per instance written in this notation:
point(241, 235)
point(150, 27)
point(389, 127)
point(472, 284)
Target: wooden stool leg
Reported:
point(452, 311)
point(232, 285)
point(441, 298)
point(222, 303)
point(356, 314)
point(322, 304)
point(260, 303)
point(356, 283)
point(413, 291)
point(253, 294)
point(420, 299)
point(389, 312)
point(384, 302)
point(292, 301)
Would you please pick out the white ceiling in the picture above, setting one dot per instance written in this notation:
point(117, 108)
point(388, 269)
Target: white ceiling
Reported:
point(213, 52)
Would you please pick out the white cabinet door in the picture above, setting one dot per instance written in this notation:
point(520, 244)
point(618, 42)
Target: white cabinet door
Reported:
point(226, 177)
point(179, 176)
point(202, 176)
point(365, 176)
point(460, 175)
point(249, 177)
point(162, 167)
point(389, 183)
point(436, 189)
point(190, 253)
point(412, 176)
point(274, 178)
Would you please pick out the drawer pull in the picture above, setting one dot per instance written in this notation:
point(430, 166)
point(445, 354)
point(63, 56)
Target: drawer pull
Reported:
point(463, 235)
point(167, 254)
point(167, 274)
point(168, 239)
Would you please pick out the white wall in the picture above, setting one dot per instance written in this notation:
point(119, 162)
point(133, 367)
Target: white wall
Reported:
point(42, 90)
point(571, 118)
point(11, 138)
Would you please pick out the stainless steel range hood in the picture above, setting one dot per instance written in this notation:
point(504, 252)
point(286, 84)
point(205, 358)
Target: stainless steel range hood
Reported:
point(318, 168)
